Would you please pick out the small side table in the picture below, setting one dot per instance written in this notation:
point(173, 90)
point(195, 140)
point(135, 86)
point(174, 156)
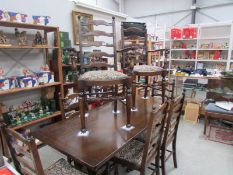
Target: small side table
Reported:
point(215, 112)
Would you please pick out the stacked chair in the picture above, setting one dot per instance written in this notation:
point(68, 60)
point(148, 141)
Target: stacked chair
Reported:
point(134, 60)
point(98, 82)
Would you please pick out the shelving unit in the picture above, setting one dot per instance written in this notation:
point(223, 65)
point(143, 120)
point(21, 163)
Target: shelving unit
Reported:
point(68, 67)
point(156, 45)
point(55, 114)
point(210, 38)
point(54, 64)
point(16, 90)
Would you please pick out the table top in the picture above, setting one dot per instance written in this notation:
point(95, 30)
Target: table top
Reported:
point(106, 136)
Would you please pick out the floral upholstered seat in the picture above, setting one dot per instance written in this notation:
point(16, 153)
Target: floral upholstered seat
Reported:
point(62, 167)
point(102, 75)
point(132, 153)
point(142, 137)
point(146, 68)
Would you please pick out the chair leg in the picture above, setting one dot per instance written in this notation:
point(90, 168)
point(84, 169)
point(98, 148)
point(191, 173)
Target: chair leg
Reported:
point(115, 102)
point(153, 87)
point(116, 170)
point(78, 166)
point(69, 160)
point(157, 165)
point(206, 123)
point(134, 97)
point(174, 153)
point(145, 93)
point(163, 168)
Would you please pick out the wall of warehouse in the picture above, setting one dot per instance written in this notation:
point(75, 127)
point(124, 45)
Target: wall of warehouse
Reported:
point(59, 11)
point(148, 9)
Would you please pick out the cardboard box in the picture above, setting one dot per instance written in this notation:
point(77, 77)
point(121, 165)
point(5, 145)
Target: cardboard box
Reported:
point(176, 33)
point(192, 112)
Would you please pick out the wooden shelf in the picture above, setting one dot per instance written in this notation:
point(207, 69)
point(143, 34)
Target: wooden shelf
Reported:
point(215, 38)
point(27, 47)
point(212, 49)
point(28, 26)
point(68, 83)
point(183, 59)
point(16, 90)
point(69, 65)
point(181, 49)
point(157, 50)
point(212, 60)
point(183, 39)
point(55, 114)
point(157, 41)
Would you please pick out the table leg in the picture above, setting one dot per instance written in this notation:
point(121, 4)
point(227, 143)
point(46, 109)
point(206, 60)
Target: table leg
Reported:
point(128, 106)
point(206, 123)
point(145, 93)
point(91, 172)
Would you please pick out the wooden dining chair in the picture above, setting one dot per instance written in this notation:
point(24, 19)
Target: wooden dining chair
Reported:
point(27, 160)
point(138, 155)
point(99, 79)
point(170, 133)
point(69, 105)
point(165, 90)
point(135, 62)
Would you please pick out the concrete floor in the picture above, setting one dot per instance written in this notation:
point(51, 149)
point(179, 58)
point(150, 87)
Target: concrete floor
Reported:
point(196, 156)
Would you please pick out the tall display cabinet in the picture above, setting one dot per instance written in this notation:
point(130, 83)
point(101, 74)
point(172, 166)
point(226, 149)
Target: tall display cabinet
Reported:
point(211, 49)
point(55, 64)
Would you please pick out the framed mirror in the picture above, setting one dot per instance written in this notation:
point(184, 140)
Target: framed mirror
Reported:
point(84, 18)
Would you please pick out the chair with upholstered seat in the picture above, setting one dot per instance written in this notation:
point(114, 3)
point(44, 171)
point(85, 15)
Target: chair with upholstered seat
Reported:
point(166, 92)
point(138, 155)
point(27, 160)
point(69, 105)
point(170, 133)
point(99, 80)
point(135, 62)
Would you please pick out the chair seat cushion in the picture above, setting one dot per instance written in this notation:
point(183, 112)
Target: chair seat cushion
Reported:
point(62, 167)
point(102, 75)
point(132, 153)
point(142, 137)
point(146, 68)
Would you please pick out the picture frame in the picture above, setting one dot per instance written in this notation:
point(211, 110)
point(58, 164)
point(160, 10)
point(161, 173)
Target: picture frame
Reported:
point(84, 17)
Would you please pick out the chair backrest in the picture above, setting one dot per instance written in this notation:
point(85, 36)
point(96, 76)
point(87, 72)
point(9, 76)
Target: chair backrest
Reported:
point(99, 60)
point(23, 151)
point(172, 121)
point(134, 44)
point(69, 105)
point(154, 135)
point(163, 88)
